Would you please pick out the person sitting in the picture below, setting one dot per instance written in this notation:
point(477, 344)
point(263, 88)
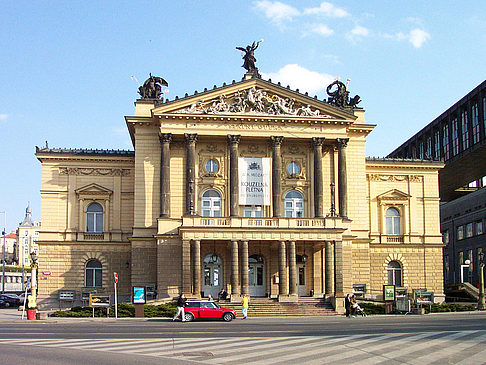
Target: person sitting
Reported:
point(223, 294)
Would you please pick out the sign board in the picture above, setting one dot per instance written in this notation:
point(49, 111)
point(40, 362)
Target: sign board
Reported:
point(388, 293)
point(99, 300)
point(401, 292)
point(46, 273)
point(425, 298)
point(254, 181)
point(359, 289)
point(66, 295)
point(138, 295)
point(115, 277)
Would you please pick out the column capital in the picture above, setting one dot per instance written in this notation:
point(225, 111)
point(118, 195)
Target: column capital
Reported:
point(342, 142)
point(190, 137)
point(165, 137)
point(233, 139)
point(317, 141)
point(276, 140)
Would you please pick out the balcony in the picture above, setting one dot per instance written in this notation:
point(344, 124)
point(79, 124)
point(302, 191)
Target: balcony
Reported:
point(239, 228)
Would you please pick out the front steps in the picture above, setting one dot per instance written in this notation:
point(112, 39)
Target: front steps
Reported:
point(265, 307)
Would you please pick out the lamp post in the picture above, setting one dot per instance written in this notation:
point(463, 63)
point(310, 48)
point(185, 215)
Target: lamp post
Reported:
point(481, 303)
point(3, 250)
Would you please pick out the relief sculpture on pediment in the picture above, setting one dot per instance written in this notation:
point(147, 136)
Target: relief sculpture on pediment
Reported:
point(253, 101)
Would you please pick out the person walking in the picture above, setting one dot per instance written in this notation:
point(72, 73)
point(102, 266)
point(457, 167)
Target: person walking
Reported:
point(347, 305)
point(181, 303)
point(244, 306)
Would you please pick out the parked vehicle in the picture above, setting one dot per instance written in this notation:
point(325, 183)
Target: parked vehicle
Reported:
point(4, 304)
point(10, 300)
point(207, 310)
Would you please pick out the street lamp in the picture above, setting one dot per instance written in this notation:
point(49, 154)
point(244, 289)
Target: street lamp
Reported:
point(481, 304)
point(3, 254)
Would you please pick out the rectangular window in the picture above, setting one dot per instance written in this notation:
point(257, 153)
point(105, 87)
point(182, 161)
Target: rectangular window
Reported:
point(253, 212)
point(469, 230)
point(479, 228)
point(465, 130)
point(455, 137)
point(420, 150)
point(484, 112)
point(437, 144)
point(445, 237)
point(460, 232)
point(429, 148)
point(445, 142)
point(475, 123)
point(446, 268)
point(26, 233)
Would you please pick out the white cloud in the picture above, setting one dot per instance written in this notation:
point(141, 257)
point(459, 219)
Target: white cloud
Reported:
point(321, 29)
point(277, 11)
point(299, 77)
point(358, 32)
point(3, 117)
point(417, 37)
point(327, 9)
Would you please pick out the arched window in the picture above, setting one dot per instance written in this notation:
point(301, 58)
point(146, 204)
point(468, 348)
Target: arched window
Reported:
point(211, 203)
point(255, 259)
point(94, 218)
point(294, 204)
point(394, 273)
point(93, 274)
point(393, 221)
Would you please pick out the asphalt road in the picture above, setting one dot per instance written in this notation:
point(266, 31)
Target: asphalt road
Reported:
point(11, 327)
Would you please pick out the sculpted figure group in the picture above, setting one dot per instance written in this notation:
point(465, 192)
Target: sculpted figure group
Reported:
point(252, 101)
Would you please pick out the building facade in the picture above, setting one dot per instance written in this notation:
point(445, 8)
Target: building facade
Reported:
point(458, 137)
point(27, 236)
point(249, 187)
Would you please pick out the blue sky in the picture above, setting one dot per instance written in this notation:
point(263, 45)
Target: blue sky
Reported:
point(65, 66)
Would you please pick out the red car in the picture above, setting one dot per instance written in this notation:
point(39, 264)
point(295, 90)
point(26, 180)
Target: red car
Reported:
point(207, 310)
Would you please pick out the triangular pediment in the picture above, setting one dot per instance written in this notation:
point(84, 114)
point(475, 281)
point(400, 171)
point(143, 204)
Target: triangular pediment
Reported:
point(93, 189)
point(254, 97)
point(394, 194)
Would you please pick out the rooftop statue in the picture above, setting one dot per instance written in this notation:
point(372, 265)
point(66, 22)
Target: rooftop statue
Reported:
point(249, 57)
point(340, 96)
point(152, 87)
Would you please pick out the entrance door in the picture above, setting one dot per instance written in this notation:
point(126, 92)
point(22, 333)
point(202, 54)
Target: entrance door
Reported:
point(302, 276)
point(212, 275)
point(256, 276)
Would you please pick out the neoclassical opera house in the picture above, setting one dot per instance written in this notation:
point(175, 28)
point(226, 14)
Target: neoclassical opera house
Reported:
point(251, 187)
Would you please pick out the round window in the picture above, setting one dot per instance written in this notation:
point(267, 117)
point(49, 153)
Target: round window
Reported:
point(212, 166)
point(293, 168)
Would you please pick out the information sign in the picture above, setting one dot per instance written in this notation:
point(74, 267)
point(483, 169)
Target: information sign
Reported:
point(139, 296)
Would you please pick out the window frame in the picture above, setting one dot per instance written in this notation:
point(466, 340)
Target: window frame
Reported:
point(212, 207)
point(97, 272)
point(95, 215)
point(393, 222)
point(295, 211)
point(392, 273)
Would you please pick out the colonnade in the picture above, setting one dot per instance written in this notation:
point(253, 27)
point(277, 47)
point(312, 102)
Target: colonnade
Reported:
point(233, 143)
point(287, 268)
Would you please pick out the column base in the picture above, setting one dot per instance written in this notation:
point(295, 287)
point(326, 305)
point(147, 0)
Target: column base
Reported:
point(338, 304)
point(288, 298)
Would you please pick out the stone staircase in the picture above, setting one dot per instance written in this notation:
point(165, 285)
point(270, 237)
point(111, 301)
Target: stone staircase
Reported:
point(265, 307)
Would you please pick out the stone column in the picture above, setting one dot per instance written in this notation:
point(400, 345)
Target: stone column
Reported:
point(276, 175)
point(317, 143)
point(165, 139)
point(233, 141)
point(329, 269)
point(338, 269)
point(292, 269)
point(196, 259)
point(342, 177)
point(190, 173)
point(235, 277)
point(245, 289)
point(186, 267)
point(282, 270)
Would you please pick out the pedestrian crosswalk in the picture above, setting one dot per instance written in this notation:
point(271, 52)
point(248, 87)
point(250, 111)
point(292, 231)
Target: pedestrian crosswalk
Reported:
point(452, 347)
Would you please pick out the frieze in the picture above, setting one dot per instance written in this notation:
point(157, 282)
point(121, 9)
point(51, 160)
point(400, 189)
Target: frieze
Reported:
point(253, 101)
point(93, 171)
point(411, 178)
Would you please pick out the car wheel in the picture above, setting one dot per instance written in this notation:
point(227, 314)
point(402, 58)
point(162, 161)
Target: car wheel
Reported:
point(188, 317)
point(228, 317)
point(7, 304)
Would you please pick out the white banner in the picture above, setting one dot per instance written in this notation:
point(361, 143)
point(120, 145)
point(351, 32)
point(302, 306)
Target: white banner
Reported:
point(254, 181)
